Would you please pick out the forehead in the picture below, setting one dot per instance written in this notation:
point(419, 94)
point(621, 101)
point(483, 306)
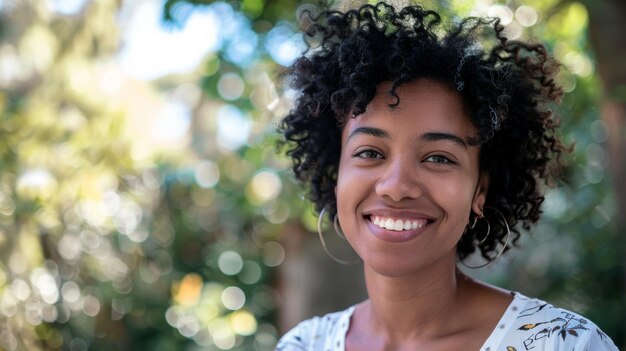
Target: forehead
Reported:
point(425, 105)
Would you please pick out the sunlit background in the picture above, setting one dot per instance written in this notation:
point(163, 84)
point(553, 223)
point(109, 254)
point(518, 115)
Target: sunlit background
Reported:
point(144, 204)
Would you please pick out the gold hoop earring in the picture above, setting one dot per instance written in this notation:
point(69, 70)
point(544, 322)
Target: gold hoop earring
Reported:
point(475, 220)
point(506, 241)
point(482, 216)
point(339, 233)
point(337, 227)
point(473, 225)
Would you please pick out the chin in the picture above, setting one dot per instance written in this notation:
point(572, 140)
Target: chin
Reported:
point(392, 267)
point(396, 266)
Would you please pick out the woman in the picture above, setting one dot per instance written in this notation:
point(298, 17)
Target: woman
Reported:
point(427, 144)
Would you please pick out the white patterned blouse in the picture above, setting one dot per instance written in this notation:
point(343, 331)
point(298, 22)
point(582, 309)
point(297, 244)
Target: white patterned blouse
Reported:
point(527, 324)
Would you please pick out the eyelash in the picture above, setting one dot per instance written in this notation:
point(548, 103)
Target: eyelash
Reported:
point(442, 159)
point(373, 154)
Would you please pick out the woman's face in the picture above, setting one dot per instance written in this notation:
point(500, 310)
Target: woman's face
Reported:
point(408, 178)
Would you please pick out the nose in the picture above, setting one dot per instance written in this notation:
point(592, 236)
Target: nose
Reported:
point(399, 181)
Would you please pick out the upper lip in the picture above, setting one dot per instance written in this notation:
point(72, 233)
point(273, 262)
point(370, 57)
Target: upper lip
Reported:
point(398, 214)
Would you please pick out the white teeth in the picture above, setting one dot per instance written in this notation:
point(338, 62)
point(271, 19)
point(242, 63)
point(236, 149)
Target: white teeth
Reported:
point(389, 223)
point(398, 224)
point(407, 225)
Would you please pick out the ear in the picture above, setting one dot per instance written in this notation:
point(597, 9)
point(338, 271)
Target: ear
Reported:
point(480, 195)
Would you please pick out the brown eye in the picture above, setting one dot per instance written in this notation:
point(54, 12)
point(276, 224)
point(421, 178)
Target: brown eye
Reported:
point(368, 154)
point(438, 159)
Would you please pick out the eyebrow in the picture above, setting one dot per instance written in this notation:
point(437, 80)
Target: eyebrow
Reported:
point(436, 136)
point(430, 136)
point(377, 132)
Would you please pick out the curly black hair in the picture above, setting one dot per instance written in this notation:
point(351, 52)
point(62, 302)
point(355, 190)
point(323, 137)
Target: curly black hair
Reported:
point(507, 85)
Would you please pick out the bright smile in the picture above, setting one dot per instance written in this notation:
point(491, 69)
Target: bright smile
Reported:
point(398, 224)
point(394, 229)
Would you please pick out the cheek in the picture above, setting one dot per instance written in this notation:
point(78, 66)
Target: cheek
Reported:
point(454, 195)
point(344, 187)
point(351, 189)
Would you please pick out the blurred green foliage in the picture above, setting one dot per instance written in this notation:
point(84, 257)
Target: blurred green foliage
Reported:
point(100, 249)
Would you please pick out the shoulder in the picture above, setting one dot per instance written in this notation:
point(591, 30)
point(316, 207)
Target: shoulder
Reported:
point(538, 325)
point(317, 333)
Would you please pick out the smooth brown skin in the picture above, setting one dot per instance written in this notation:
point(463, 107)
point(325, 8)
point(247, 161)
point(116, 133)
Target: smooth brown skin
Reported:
point(418, 300)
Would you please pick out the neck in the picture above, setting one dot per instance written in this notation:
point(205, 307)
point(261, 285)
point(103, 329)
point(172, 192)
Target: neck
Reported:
point(429, 298)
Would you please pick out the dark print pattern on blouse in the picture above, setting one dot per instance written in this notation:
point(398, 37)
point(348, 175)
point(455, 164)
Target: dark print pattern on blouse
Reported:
point(568, 325)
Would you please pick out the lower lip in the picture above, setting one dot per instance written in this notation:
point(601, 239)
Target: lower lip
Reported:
point(395, 236)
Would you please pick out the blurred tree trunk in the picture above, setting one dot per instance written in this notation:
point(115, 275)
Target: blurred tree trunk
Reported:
point(607, 28)
point(311, 283)
point(607, 32)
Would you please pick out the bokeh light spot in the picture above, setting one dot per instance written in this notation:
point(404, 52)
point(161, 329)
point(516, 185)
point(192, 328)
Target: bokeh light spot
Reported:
point(251, 272)
point(526, 15)
point(266, 334)
point(230, 86)
point(277, 212)
point(188, 326)
point(578, 64)
point(171, 316)
point(91, 305)
point(501, 11)
point(149, 273)
point(233, 127)
point(265, 186)
point(36, 183)
point(172, 123)
point(32, 312)
point(70, 248)
point(283, 45)
point(20, 289)
point(7, 205)
point(49, 313)
point(243, 322)
point(230, 262)
point(599, 131)
point(46, 285)
point(17, 263)
point(567, 81)
point(222, 333)
point(242, 47)
point(513, 30)
point(70, 292)
point(207, 174)
point(138, 236)
point(273, 254)
point(233, 298)
point(128, 216)
point(189, 289)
